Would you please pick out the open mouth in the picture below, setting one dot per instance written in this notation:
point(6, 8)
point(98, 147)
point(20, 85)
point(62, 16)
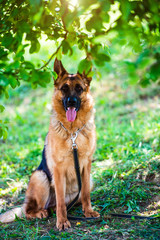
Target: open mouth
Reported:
point(71, 114)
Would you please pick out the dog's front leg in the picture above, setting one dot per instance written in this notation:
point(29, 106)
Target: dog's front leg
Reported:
point(60, 188)
point(86, 201)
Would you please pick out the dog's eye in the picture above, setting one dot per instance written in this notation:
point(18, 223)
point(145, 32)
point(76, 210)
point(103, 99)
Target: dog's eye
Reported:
point(78, 89)
point(65, 88)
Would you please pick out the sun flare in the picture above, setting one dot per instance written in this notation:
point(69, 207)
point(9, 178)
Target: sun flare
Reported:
point(73, 3)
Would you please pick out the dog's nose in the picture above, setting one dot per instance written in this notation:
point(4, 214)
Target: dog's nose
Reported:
point(72, 101)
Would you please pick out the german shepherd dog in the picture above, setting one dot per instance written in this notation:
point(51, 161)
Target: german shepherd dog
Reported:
point(54, 183)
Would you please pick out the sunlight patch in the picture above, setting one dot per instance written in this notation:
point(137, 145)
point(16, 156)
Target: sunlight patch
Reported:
point(13, 188)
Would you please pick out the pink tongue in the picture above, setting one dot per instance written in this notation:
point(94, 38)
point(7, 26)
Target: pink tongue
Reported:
point(71, 114)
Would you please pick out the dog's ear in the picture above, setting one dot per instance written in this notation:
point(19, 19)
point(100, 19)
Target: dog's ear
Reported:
point(58, 68)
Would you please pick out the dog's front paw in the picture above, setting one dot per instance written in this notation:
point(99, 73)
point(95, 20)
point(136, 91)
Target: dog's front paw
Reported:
point(63, 224)
point(91, 213)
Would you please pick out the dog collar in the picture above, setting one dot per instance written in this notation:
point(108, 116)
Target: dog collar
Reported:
point(73, 135)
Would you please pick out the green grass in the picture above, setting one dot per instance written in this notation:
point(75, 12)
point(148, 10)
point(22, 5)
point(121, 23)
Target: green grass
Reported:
point(126, 164)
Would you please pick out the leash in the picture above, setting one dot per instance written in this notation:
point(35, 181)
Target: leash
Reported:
point(129, 216)
point(77, 168)
point(78, 175)
point(76, 165)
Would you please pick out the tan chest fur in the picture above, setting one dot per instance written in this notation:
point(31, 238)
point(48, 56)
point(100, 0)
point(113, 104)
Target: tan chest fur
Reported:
point(60, 153)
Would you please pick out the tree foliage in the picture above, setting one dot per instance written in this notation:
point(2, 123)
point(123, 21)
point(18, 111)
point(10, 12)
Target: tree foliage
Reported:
point(90, 24)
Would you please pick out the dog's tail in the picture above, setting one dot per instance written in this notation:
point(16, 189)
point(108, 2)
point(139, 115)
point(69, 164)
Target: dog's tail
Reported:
point(11, 215)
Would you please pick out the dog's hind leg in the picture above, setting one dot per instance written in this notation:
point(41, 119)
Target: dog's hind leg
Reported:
point(37, 195)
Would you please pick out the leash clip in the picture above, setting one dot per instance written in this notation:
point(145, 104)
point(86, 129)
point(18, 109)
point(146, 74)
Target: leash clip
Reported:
point(73, 138)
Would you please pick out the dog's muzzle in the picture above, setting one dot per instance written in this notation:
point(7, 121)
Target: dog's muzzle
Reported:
point(71, 105)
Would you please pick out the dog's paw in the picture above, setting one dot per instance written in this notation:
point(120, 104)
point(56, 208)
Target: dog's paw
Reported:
point(91, 213)
point(43, 213)
point(63, 224)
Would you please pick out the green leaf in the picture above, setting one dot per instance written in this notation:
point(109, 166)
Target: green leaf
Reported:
point(99, 63)
point(71, 38)
point(5, 134)
point(3, 80)
point(125, 9)
point(2, 108)
point(44, 78)
point(46, 21)
point(7, 40)
point(35, 46)
point(1, 132)
point(34, 77)
point(34, 85)
point(155, 71)
point(144, 62)
point(66, 47)
point(103, 57)
point(40, 77)
point(94, 23)
point(54, 75)
point(13, 66)
point(38, 16)
point(84, 66)
point(35, 4)
point(24, 74)
point(133, 77)
point(42, 84)
point(3, 53)
point(52, 5)
point(6, 94)
point(28, 65)
point(24, 27)
point(12, 81)
point(144, 82)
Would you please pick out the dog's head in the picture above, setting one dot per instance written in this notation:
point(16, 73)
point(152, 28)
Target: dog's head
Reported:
point(71, 93)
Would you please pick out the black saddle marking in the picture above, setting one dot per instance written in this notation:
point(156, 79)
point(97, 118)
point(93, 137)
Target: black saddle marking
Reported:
point(43, 166)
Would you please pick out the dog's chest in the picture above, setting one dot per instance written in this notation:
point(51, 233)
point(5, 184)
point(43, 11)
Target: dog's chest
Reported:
point(60, 153)
point(85, 145)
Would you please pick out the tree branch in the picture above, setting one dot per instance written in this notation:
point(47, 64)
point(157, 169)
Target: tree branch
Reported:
point(51, 57)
